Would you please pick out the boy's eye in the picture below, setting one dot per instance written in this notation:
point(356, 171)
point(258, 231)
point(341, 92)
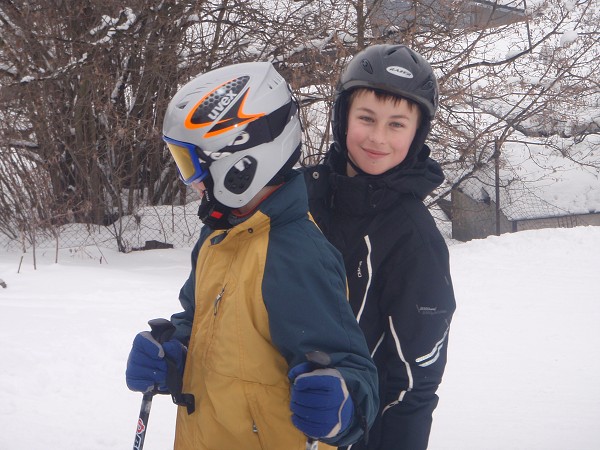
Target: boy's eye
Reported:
point(397, 125)
point(365, 118)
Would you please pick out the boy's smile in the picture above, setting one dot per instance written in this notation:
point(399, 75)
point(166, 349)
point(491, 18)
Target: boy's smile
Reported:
point(380, 132)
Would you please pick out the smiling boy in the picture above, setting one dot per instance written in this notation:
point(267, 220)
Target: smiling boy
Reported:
point(367, 198)
point(380, 130)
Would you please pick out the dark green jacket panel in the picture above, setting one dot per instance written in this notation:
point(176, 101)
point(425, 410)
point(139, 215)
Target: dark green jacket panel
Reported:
point(304, 290)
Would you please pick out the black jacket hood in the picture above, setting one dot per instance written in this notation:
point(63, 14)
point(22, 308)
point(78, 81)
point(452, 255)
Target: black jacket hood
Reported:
point(364, 194)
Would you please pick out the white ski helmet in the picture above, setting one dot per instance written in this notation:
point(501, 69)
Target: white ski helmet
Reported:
point(237, 124)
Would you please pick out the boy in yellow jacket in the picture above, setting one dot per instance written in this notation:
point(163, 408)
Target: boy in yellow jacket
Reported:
point(266, 289)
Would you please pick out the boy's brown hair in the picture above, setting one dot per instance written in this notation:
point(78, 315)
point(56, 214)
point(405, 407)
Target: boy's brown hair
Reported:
point(385, 96)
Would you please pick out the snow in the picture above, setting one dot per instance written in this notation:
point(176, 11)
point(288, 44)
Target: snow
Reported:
point(522, 361)
point(568, 37)
point(566, 185)
point(539, 182)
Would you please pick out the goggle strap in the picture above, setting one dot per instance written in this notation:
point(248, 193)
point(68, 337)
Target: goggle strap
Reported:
point(266, 128)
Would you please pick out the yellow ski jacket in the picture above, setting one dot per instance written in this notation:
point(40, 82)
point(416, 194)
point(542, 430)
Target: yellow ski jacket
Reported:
point(260, 296)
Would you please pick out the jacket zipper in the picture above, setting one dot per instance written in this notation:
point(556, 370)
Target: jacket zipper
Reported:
point(212, 324)
point(217, 301)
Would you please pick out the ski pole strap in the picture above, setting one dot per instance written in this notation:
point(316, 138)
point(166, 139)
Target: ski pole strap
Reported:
point(175, 387)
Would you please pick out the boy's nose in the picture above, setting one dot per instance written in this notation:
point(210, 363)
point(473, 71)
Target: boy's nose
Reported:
point(377, 135)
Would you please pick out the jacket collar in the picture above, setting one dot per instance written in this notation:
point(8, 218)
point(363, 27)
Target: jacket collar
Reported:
point(288, 203)
point(364, 194)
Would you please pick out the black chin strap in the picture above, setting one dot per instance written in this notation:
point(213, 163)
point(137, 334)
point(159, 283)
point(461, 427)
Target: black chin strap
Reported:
point(211, 212)
point(357, 169)
point(215, 215)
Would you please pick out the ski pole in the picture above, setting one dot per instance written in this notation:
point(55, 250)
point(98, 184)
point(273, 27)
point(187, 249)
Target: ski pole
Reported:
point(321, 360)
point(161, 331)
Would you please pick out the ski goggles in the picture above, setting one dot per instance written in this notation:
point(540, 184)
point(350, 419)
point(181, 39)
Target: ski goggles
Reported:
point(191, 168)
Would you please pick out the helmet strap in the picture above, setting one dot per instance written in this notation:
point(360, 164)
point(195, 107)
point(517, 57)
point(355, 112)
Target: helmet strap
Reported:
point(357, 169)
point(211, 212)
point(215, 215)
point(417, 144)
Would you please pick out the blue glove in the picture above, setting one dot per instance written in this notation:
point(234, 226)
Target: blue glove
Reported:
point(147, 367)
point(321, 405)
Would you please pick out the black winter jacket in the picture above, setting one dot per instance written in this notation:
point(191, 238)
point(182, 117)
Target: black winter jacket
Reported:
point(401, 292)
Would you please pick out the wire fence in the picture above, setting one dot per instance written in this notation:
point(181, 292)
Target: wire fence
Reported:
point(471, 214)
point(148, 228)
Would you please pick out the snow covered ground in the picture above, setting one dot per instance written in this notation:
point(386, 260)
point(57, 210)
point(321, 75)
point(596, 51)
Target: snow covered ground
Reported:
point(523, 356)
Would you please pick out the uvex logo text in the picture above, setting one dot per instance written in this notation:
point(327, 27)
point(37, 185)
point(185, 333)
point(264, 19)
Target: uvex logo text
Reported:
point(222, 109)
point(225, 100)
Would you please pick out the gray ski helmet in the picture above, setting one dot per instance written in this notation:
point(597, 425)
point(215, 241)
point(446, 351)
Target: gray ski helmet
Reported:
point(394, 69)
point(237, 124)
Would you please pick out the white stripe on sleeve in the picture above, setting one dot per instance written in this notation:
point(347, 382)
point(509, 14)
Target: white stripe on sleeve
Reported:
point(434, 354)
point(408, 370)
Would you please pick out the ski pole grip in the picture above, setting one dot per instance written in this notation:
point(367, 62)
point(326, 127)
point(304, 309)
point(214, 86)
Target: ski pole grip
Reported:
point(161, 329)
point(319, 360)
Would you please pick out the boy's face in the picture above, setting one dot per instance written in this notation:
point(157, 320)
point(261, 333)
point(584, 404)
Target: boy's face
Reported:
point(379, 132)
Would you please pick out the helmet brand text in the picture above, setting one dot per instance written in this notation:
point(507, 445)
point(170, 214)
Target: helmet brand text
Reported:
point(399, 71)
point(220, 107)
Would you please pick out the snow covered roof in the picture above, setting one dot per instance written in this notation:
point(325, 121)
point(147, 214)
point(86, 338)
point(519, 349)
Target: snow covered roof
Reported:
point(536, 183)
point(469, 14)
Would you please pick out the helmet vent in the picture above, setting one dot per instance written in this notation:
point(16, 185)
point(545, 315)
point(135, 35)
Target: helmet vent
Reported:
point(275, 82)
point(240, 176)
point(367, 66)
point(182, 105)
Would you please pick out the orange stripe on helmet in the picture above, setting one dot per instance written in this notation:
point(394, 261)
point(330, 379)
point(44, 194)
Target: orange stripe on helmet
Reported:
point(240, 118)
